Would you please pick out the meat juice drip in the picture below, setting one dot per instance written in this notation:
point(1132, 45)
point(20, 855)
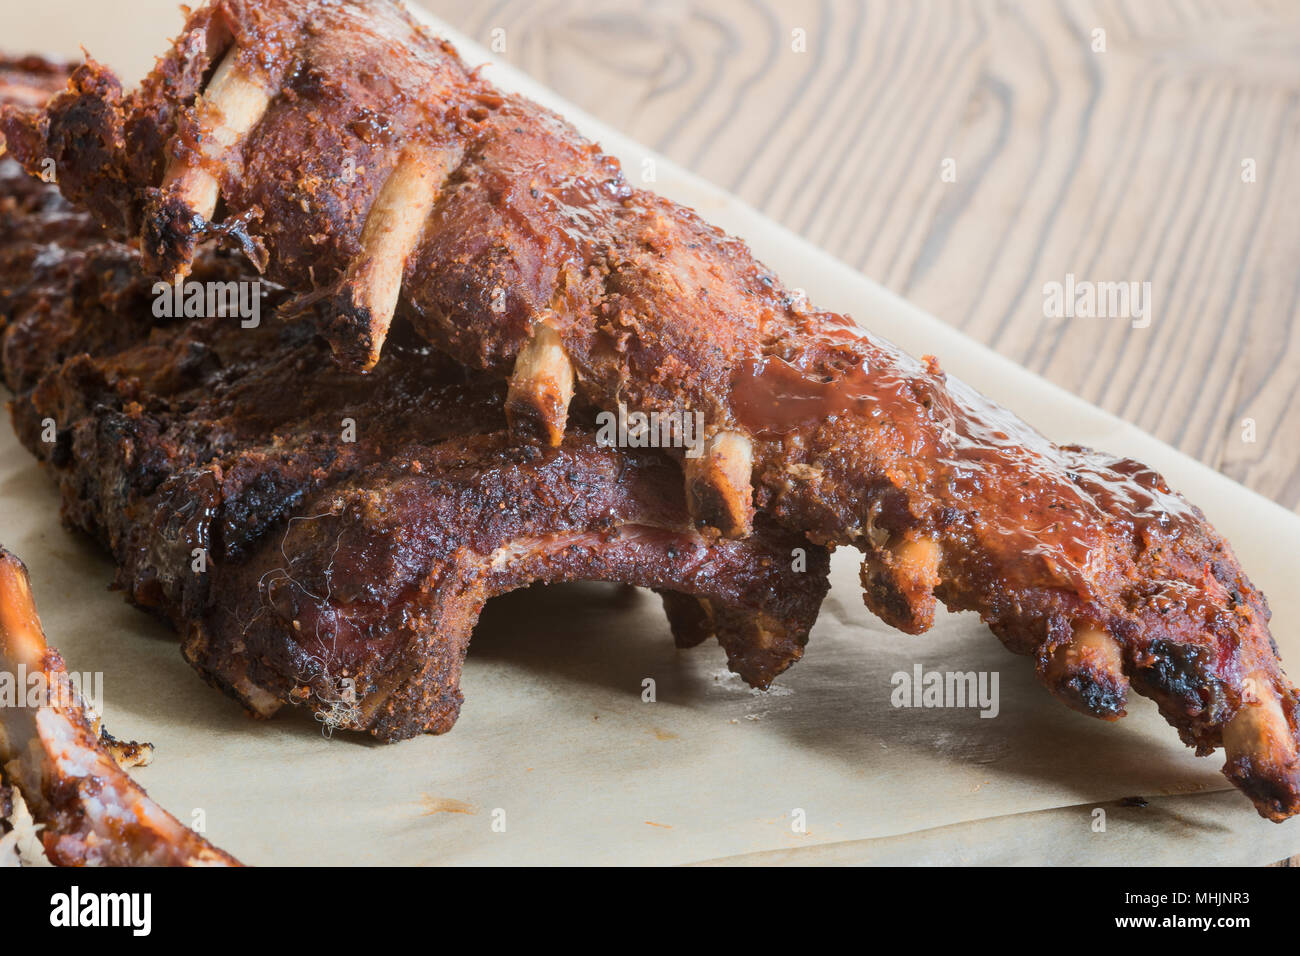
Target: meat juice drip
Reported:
point(1026, 496)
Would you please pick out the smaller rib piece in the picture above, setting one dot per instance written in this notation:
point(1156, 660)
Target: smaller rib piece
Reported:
point(90, 810)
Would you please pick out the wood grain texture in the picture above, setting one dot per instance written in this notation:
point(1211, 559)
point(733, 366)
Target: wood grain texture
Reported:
point(1117, 165)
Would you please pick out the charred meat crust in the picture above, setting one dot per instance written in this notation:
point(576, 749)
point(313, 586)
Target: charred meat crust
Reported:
point(345, 576)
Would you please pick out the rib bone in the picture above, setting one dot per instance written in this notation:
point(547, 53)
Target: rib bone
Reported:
point(364, 308)
point(1087, 673)
point(898, 583)
point(541, 388)
point(1260, 748)
point(718, 488)
point(232, 104)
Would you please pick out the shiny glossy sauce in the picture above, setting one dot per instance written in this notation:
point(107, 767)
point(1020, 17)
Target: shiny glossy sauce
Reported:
point(773, 397)
point(587, 208)
point(1056, 507)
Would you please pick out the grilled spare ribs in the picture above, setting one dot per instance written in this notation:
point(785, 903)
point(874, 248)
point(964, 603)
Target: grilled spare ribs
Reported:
point(359, 162)
point(304, 568)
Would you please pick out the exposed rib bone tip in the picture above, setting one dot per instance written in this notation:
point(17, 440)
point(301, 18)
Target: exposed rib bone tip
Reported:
point(391, 233)
point(1259, 731)
point(1087, 673)
point(898, 583)
point(230, 106)
point(917, 561)
point(719, 489)
point(21, 638)
point(537, 405)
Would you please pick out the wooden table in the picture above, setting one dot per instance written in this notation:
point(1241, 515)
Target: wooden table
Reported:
point(965, 153)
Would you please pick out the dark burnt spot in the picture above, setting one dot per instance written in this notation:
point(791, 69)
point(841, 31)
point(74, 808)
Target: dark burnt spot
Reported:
point(1171, 671)
point(249, 511)
point(1274, 797)
point(61, 453)
point(1094, 694)
point(198, 359)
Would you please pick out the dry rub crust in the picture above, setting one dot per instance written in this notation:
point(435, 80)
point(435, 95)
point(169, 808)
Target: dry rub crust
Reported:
point(852, 441)
point(341, 569)
point(345, 576)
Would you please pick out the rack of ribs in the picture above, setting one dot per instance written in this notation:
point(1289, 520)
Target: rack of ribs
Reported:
point(304, 568)
point(355, 158)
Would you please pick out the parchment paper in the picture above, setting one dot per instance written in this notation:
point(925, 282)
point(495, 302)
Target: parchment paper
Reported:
point(555, 738)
